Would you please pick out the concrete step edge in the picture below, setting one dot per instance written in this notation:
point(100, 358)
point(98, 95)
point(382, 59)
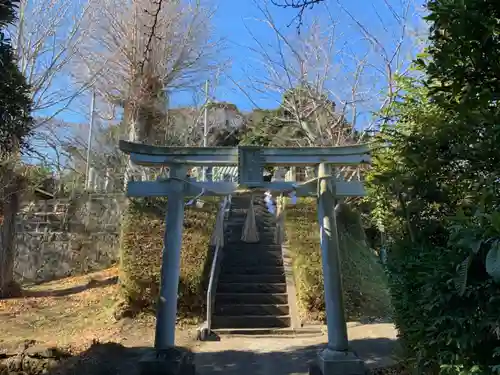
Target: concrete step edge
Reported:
point(268, 331)
point(251, 305)
point(251, 283)
point(225, 294)
point(252, 316)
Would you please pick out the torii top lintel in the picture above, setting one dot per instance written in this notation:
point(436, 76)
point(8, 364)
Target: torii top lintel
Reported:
point(158, 156)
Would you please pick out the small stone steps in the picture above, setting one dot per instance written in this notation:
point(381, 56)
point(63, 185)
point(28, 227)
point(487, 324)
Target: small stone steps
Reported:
point(251, 298)
point(257, 309)
point(257, 321)
point(249, 278)
point(262, 254)
point(265, 216)
point(238, 229)
point(251, 247)
point(252, 270)
point(252, 290)
point(254, 260)
point(264, 237)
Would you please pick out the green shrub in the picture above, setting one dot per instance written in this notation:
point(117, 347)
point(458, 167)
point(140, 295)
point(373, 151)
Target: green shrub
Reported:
point(444, 299)
point(364, 282)
point(141, 250)
point(441, 330)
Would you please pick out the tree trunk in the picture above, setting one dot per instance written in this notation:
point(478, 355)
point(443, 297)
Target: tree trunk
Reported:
point(10, 204)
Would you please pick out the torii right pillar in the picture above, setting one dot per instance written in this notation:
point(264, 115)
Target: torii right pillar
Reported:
point(336, 358)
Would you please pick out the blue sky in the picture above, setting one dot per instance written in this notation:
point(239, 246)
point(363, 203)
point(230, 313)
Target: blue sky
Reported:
point(239, 21)
point(234, 19)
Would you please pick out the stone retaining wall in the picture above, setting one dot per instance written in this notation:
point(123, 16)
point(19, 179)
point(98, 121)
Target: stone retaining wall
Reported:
point(65, 237)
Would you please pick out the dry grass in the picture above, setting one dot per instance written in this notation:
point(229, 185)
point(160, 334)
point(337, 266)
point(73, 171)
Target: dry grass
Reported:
point(51, 314)
point(141, 250)
point(72, 312)
point(365, 290)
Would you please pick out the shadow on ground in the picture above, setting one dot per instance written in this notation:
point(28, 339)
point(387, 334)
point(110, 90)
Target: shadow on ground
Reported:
point(376, 352)
point(92, 284)
point(112, 358)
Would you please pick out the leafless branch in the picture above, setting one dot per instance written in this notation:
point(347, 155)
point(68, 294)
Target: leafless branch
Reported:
point(300, 5)
point(391, 46)
point(145, 52)
point(46, 39)
point(309, 75)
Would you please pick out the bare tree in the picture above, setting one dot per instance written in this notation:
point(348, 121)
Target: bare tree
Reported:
point(144, 52)
point(394, 47)
point(48, 141)
point(46, 39)
point(300, 5)
point(327, 82)
point(319, 91)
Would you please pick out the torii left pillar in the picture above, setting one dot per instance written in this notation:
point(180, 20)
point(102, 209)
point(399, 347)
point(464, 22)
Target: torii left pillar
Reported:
point(171, 262)
point(166, 358)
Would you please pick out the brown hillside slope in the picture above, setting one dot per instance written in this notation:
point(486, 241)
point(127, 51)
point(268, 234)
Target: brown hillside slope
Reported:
point(71, 313)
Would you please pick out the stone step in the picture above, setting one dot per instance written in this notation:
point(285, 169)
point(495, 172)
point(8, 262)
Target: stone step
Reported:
point(250, 247)
point(244, 256)
point(246, 200)
point(260, 221)
point(238, 213)
point(255, 258)
point(242, 210)
point(238, 229)
point(259, 309)
point(263, 231)
point(250, 321)
point(224, 287)
point(251, 262)
point(251, 298)
point(243, 200)
point(235, 225)
point(264, 238)
point(252, 270)
point(245, 278)
point(261, 224)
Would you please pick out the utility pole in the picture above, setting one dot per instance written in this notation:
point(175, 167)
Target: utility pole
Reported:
point(205, 127)
point(205, 120)
point(89, 144)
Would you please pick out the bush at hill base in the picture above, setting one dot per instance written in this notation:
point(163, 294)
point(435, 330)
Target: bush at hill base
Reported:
point(141, 253)
point(363, 277)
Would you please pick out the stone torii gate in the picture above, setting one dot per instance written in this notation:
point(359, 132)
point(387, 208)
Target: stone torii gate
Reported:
point(327, 187)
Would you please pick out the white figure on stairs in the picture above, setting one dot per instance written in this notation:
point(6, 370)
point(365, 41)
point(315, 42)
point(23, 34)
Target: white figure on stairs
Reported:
point(269, 202)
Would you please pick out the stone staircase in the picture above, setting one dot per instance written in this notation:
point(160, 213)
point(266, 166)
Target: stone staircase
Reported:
point(252, 290)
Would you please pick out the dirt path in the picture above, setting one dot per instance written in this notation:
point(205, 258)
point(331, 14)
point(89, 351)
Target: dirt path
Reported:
point(284, 355)
point(71, 313)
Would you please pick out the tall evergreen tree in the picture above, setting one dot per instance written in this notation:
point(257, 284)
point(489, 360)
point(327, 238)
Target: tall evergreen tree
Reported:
point(15, 100)
point(15, 127)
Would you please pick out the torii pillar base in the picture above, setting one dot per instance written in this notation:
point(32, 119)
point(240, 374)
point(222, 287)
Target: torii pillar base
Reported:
point(171, 361)
point(332, 362)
